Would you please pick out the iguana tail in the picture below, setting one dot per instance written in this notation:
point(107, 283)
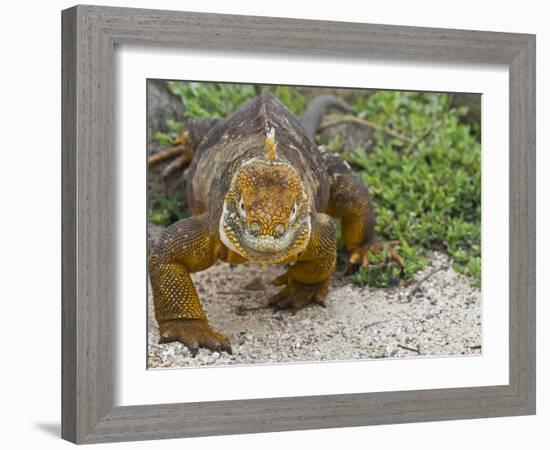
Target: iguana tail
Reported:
point(315, 110)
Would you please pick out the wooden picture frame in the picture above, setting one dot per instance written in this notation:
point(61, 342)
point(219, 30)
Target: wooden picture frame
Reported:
point(90, 34)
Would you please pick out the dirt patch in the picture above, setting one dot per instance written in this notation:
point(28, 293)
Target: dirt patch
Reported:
point(442, 318)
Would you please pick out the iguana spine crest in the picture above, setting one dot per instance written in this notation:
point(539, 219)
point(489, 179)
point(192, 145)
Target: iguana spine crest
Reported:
point(271, 145)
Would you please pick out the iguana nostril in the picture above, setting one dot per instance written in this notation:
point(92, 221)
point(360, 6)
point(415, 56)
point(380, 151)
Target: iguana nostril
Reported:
point(278, 230)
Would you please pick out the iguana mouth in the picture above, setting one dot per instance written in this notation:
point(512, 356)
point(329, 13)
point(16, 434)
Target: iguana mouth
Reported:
point(264, 248)
point(269, 244)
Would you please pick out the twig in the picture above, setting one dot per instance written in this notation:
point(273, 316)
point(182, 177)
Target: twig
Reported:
point(422, 280)
point(380, 265)
point(236, 292)
point(159, 346)
point(371, 324)
point(419, 139)
point(411, 349)
point(475, 347)
point(370, 348)
point(242, 310)
point(367, 123)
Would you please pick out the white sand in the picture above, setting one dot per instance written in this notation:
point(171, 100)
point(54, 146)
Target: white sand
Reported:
point(443, 318)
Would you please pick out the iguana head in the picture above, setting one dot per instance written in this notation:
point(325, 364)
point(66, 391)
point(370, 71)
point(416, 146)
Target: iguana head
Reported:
point(266, 212)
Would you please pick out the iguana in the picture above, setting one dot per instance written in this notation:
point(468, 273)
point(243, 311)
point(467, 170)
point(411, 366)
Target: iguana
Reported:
point(260, 190)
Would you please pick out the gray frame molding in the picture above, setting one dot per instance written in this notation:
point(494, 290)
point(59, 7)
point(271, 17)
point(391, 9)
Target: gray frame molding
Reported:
point(90, 34)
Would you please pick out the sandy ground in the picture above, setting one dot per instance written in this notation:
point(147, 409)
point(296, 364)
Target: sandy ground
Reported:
point(441, 318)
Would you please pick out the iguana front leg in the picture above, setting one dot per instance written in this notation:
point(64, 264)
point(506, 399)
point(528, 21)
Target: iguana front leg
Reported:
point(187, 246)
point(308, 280)
point(349, 201)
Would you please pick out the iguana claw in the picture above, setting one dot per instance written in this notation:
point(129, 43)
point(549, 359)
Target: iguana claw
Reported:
point(194, 333)
point(298, 295)
point(360, 255)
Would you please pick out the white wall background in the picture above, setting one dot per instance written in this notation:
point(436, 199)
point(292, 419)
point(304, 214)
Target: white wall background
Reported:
point(31, 208)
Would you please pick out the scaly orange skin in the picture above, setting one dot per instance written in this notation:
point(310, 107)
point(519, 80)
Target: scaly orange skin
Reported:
point(260, 198)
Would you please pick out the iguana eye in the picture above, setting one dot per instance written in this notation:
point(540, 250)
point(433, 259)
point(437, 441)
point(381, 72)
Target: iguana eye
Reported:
point(242, 209)
point(293, 212)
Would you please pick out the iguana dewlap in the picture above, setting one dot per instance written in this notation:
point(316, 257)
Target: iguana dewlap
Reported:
point(260, 190)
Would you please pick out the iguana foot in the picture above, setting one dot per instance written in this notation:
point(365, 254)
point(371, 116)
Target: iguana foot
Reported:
point(297, 295)
point(360, 255)
point(179, 154)
point(194, 333)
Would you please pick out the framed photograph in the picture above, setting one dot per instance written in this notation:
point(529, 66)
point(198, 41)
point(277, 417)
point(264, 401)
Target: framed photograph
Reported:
point(278, 224)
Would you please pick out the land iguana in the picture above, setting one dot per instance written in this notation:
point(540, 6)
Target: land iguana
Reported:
point(260, 190)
